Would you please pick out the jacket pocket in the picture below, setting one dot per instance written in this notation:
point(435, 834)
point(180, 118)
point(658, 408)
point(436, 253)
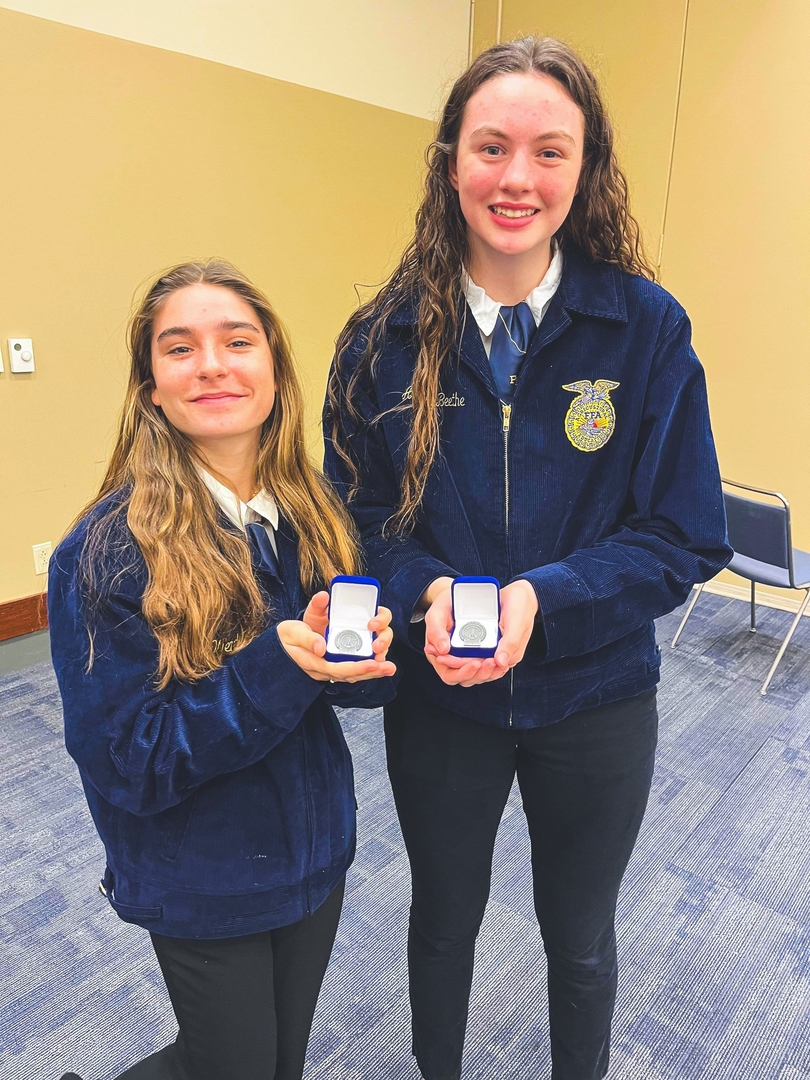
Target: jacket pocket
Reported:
point(128, 912)
point(171, 827)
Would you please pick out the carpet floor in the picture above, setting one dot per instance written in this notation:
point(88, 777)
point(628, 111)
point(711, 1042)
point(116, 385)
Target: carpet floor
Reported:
point(714, 922)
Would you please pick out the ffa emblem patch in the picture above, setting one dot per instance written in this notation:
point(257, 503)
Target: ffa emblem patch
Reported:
point(591, 418)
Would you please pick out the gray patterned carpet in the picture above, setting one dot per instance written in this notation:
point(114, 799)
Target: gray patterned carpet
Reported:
point(714, 922)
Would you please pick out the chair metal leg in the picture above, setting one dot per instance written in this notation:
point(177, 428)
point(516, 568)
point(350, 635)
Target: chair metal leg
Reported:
point(687, 613)
point(786, 642)
point(753, 607)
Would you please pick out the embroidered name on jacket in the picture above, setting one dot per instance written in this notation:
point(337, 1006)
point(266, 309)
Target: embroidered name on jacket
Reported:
point(220, 645)
point(444, 401)
point(591, 418)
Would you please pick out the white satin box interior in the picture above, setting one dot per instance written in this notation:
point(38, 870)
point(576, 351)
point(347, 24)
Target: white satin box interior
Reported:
point(352, 604)
point(476, 613)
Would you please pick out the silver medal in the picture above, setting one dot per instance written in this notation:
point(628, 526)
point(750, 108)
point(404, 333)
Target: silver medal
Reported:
point(472, 633)
point(348, 641)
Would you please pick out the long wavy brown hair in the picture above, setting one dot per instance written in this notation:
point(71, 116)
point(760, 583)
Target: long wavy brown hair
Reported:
point(202, 597)
point(430, 271)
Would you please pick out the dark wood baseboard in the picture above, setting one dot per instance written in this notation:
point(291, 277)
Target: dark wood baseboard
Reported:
point(25, 616)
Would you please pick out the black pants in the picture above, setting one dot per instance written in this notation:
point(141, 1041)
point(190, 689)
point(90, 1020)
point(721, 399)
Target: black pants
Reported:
point(584, 783)
point(244, 1005)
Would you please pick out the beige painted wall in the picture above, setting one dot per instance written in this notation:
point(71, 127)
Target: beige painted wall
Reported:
point(396, 55)
point(120, 159)
point(635, 48)
point(487, 16)
point(737, 249)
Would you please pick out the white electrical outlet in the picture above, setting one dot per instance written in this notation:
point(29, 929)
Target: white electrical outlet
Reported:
point(21, 354)
point(42, 555)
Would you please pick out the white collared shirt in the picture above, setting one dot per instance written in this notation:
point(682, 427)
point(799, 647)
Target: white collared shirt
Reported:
point(485, 309)
point(261, 507)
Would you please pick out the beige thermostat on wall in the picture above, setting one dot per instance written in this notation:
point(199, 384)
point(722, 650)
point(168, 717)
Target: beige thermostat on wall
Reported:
point(21, 354)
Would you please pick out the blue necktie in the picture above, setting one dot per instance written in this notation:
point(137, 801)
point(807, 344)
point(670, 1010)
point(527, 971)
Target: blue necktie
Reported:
point(261, 549)
point(511, 338)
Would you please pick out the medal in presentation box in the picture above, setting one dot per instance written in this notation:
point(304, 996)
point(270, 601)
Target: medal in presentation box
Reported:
point(353, 603)
point(476, 614)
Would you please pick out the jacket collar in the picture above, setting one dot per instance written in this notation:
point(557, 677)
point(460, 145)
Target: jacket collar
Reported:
point(593, 289)
point(406, 314)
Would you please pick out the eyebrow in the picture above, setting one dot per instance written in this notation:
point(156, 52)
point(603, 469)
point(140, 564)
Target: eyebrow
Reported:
point(496, 133)
point(226, 324)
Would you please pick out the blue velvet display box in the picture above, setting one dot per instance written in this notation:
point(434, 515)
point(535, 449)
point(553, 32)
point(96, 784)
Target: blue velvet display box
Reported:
point(353, 603)
point(476, 614)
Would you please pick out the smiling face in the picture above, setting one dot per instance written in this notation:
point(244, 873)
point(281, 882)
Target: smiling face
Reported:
point(517, 168)
point(212, 367)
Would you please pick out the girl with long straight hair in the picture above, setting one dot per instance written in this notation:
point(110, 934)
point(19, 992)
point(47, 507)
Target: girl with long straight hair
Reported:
point(187, 618)
point(522, 401)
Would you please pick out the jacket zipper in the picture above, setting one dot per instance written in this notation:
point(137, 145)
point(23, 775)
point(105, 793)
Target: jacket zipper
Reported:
point(507, 421)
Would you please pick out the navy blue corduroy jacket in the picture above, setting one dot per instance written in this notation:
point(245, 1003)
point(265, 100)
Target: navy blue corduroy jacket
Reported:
point(226, 806)
point(609, 537)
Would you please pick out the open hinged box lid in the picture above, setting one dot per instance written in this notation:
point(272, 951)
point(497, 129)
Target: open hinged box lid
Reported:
point(476, 613)
point(353, 603)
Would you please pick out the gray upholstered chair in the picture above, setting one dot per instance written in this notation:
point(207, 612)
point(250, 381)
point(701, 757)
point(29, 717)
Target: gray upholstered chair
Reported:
point(759, 532)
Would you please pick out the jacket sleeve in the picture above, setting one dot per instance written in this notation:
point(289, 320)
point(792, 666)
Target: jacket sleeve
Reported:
point(369, 694)
point(145, 749)
point(674, 533)
point(402, 564)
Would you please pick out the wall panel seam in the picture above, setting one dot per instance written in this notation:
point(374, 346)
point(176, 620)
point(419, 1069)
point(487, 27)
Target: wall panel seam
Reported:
point(674, 134)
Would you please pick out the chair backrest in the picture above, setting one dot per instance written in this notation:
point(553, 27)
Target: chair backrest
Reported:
point(759, 530)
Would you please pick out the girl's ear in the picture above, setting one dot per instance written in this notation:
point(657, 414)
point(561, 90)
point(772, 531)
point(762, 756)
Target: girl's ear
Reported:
point(452, 171)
